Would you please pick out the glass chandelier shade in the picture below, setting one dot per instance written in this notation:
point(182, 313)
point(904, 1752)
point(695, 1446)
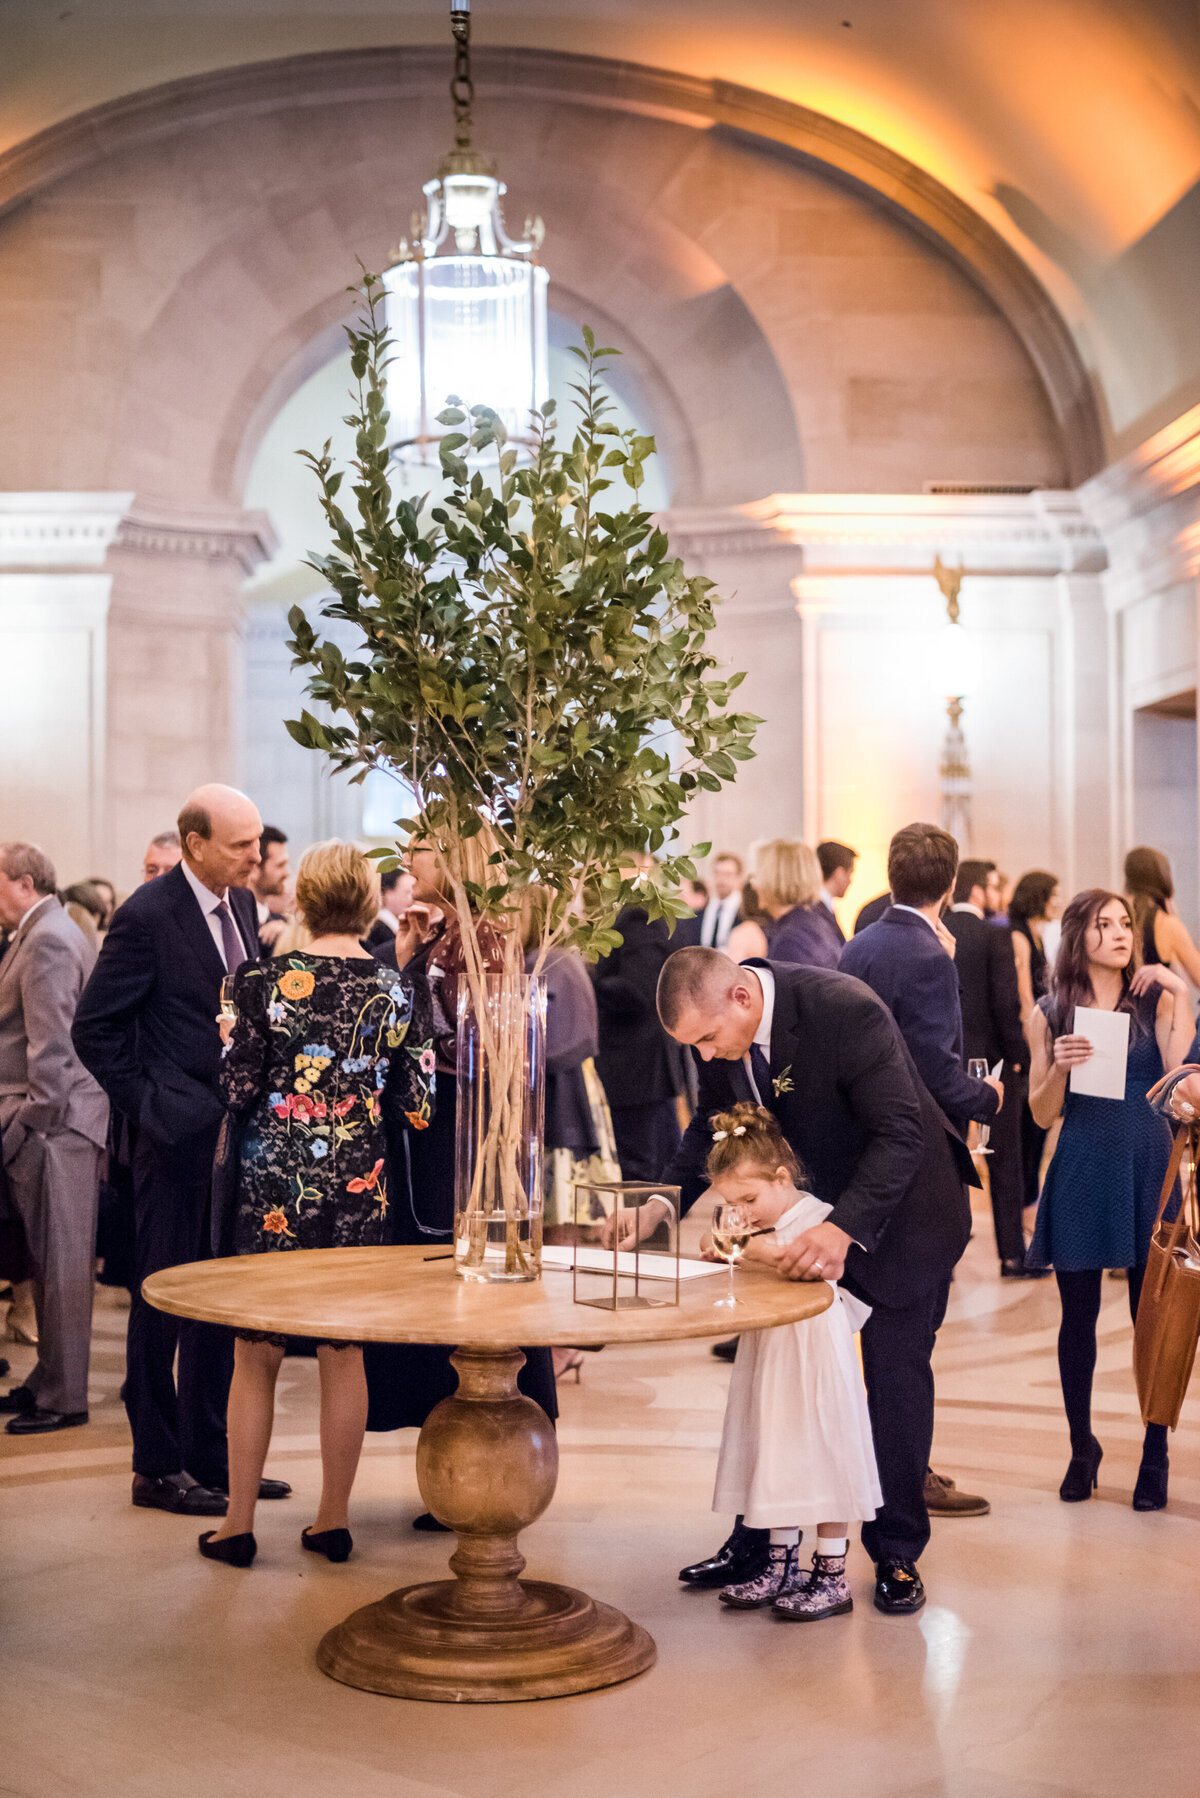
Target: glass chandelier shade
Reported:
point(466, 304)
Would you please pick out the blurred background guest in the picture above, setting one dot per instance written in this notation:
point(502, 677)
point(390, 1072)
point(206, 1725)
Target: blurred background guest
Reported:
point(1035, 899)
point(269, 883)
point(837, 876)
point(1103, 1185)
point(991, 1023)
point(108, 894)
point(871, 912)
point(1162, 935)
point(748, 937)
point(86, 906)
point(163, 853)
point(640, 1067)
point(318, 1035)
point(787, 879)
point(396, 887)
point(53, 1119)
point(724, 904)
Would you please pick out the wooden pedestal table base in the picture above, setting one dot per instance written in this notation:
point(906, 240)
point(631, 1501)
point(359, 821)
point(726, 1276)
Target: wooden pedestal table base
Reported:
point(487, 1458)
point(487, 1465)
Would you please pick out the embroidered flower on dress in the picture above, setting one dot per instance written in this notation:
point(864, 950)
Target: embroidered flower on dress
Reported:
point(277, 1011)
point(275, 1224)
point(369, 1182)
point(428, 1061)
point(320, 1149)
point(297, 983)
point(343, 1106)
point(416, 1120)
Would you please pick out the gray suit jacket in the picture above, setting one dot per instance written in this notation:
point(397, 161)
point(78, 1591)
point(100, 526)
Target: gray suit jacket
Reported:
point(43, 1084)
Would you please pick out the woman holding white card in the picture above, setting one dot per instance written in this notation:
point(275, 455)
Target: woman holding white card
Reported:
point(1102, 1189)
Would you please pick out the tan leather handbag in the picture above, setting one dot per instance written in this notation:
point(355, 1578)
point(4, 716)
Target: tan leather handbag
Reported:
point(1168, 1320)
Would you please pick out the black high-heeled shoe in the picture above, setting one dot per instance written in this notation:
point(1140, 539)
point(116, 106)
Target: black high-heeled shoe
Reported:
point(235, 1551)
point(1081, 1477)
point(335, 1545)
point(1150, 1493)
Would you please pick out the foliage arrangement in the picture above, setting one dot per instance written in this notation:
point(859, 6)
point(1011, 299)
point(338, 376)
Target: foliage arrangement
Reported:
point(533, 660)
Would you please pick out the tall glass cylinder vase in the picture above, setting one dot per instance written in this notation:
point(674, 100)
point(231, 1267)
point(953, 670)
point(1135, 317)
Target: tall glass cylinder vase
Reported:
point(499, 1146)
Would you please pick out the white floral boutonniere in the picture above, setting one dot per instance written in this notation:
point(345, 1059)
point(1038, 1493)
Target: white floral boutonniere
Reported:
point(782, 1082)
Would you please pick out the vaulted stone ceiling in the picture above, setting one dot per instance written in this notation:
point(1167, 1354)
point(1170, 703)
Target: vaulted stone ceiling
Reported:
point(1071, 126)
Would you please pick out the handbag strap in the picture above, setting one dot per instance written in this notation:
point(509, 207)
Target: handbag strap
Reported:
point(1181, 1140)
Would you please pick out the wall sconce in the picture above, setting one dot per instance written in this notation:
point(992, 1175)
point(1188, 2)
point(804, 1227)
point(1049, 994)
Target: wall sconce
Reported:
point(958, 666)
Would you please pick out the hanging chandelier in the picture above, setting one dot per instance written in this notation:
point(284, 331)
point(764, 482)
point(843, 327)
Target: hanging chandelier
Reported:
point(466, 303)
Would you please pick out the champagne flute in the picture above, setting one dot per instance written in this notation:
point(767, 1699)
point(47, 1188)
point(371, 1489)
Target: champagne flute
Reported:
point(731, 1231)
point(228, 1015)
point(978, 1069)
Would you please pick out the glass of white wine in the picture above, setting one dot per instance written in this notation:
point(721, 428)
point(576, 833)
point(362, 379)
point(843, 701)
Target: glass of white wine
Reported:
point(731, 1231)
point(228, 1015)
point(978, 1069)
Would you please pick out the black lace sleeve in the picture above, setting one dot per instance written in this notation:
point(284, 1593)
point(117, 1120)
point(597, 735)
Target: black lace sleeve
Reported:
point(408, 1094)
point(243, 1072)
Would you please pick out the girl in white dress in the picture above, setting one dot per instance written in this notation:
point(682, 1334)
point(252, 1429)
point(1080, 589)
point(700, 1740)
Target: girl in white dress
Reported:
point(796, 1449)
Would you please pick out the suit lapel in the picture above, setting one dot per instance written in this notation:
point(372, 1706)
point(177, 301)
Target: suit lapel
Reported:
point(194, 925)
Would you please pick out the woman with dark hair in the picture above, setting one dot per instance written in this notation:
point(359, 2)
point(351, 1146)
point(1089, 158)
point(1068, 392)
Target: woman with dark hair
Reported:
point(1033, 903)
point(1103, 1185)
point(1163, 935)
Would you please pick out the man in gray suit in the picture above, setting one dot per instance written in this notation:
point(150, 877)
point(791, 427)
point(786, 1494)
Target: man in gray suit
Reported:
point(53, 1119)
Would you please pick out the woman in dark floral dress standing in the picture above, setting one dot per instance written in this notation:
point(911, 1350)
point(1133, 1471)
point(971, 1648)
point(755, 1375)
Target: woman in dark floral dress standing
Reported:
point(321, 1033)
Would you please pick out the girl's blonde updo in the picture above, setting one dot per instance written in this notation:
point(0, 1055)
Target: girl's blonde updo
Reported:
point(749, 1133)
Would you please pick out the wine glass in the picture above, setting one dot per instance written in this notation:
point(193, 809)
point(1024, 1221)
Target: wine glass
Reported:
point(978, 1069)
point(228, 1015)
point(731, 1231)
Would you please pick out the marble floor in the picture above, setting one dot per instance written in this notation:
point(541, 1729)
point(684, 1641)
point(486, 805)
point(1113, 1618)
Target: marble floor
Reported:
point(1059, 1653)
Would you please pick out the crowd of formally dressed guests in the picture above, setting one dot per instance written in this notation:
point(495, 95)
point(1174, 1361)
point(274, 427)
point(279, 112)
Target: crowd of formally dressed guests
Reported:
point(244, 1057)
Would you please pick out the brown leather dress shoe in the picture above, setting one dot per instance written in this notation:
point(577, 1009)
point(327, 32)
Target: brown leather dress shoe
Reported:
point(943, 1498)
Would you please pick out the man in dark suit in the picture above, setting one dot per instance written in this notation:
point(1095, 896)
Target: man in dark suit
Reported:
point(871, 912)
point(823, 1053)
point(991, 1019)
point(146, 1028)
point(837, 876)
point(639, 1066)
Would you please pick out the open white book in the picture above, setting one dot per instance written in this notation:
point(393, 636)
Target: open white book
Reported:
point(647, 1267)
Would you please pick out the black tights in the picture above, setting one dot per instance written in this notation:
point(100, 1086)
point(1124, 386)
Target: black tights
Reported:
point(1079, 1294)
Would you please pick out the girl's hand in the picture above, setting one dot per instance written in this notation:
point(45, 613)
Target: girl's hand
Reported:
point(1157, 975)
point(707, 1251)
point(1072, 1051)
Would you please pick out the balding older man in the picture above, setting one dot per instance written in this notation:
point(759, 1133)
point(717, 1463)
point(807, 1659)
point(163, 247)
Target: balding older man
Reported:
point(146, 1027)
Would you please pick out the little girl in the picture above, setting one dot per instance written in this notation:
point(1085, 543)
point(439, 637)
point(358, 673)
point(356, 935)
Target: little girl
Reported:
point(796, 1447)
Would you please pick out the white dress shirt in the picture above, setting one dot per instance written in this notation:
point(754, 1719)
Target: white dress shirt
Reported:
point(827, 899)
point(208, 902)
point(974, 910)
point(718, 920)
point(925, 919)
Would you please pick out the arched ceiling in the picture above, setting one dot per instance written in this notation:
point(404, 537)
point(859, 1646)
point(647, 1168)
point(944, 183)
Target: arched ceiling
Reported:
point(1071, 126)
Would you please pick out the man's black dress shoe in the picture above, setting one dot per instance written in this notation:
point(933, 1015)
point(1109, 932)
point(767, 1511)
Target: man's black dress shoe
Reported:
point(40, 1423)
point(726, 1351)
point(17, 1399)
point(3, 1367)
point(175, 1492)
point(235, 1551)
point(743, 1556)
point(898, 1588)
point(1021, 1270)
point(266, 1489)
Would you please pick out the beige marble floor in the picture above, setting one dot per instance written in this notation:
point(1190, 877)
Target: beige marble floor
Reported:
point(1059, 1653)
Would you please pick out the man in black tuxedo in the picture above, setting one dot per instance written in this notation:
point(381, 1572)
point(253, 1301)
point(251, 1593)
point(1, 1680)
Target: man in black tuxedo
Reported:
point(639, 1066)
point(146, 1028)
point(991, 1021)
point(824, 1054)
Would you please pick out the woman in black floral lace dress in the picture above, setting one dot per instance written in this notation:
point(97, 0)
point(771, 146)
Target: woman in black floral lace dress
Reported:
point(322, 1036)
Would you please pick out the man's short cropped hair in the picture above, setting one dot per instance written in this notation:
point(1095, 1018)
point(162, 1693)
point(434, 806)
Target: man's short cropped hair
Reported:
point(267, 838)
point(693, 977)
point(833, 856)
point(728, 855)
point(971, 875)
point(922, 863)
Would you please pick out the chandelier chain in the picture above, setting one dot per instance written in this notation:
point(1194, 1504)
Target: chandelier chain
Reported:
point(462, 88)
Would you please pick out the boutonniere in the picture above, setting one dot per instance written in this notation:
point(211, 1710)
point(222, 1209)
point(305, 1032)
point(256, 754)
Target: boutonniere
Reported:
point(782, 1082)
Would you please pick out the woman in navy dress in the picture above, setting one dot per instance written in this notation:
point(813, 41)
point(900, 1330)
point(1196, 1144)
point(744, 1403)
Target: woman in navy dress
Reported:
point(320, 1035)
point(1101, 1193)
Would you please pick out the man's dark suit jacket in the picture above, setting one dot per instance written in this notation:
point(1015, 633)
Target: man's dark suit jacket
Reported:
point(871, 912)
point(987, 985)
point(871, 1140)
point(638, 1063)
point(146, 1024)
point(685, 933)
point(901, 959)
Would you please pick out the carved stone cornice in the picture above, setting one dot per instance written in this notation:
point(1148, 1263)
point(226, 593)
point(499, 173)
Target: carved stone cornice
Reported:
point(59, 530)
point(397, 72)
point(1148, 508)
point(208, 535)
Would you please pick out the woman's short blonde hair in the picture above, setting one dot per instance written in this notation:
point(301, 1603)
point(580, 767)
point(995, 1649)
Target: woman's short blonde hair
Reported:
point(337, 890)
point(786, 872)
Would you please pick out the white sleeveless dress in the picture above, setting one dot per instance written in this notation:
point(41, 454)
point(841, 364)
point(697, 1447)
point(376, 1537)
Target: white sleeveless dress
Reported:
point(796, 1448)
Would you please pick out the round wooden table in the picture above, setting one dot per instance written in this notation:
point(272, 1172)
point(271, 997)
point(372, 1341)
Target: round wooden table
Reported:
point(487, 1458)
